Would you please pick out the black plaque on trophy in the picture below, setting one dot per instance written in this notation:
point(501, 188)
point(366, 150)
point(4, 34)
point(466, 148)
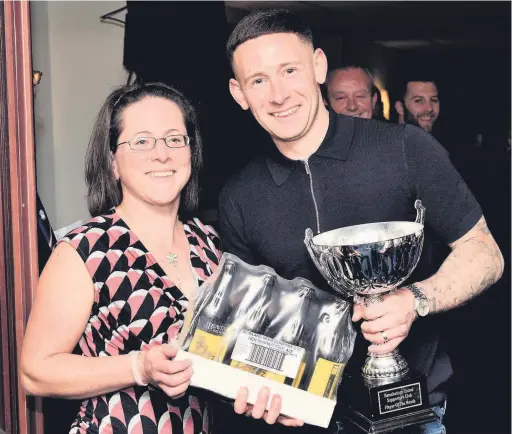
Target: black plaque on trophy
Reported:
point(384, 408)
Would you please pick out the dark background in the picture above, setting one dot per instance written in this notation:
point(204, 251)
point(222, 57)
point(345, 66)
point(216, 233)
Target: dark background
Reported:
point(464, 46)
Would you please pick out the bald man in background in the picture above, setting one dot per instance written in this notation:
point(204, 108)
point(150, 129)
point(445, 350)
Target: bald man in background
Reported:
point(351, 92)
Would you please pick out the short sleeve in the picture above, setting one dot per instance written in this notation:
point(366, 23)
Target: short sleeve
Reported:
point(79, 241)
point(451, 208)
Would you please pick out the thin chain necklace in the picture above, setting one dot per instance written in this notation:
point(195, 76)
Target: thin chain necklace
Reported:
point(171, 257)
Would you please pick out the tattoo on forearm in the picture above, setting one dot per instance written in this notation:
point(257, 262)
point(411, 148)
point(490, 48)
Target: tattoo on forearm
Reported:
point(472, 267)
point(482, 225)
point(433, 304)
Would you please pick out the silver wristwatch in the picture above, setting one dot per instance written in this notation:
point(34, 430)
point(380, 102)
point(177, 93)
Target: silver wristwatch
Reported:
point(421, 305)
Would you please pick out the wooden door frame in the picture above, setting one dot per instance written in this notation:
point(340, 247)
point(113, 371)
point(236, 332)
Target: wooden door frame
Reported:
point(18, 225)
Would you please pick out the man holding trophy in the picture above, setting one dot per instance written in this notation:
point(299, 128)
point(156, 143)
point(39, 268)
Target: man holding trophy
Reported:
point(358, 186)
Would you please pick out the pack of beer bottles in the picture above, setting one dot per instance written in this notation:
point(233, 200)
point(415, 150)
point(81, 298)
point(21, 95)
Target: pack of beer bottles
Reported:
point(289, 331)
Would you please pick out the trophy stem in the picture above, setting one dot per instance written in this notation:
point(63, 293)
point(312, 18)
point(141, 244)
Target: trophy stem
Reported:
point(380, 369)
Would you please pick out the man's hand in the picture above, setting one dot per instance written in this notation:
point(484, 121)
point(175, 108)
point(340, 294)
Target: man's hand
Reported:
point(258, 410)
point(388, 322)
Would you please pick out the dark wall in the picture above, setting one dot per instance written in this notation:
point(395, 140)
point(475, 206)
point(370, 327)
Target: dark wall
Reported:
point(182, 44)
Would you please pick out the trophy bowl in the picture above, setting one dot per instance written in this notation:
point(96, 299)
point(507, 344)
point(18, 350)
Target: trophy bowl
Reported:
point(364, 262)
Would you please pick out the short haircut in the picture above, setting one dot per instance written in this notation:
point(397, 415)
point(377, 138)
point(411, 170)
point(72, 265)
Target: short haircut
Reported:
point(400, 88)
point(103, 190)
point(267, 22)
point(350, 67)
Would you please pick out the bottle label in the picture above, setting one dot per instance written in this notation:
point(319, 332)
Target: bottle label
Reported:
point(209, 341)
point(324, 381)
point(268, 354)
point(212, 327)
point(280, 378)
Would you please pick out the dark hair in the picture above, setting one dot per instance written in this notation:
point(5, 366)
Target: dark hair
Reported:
point(267, 22)
point(400, 87)
point(103, 190)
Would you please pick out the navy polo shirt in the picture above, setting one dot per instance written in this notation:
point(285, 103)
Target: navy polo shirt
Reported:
point(364, 171)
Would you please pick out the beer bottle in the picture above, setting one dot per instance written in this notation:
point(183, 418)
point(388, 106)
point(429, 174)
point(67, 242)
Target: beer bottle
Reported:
point(208, 340)
point(251, 317)
point(330, 351)
point(291, 335)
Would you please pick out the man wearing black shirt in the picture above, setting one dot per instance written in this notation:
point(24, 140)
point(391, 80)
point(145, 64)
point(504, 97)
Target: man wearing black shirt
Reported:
point(327, 171)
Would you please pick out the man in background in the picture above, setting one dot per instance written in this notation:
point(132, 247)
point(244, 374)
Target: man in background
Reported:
point(351, 92)
point(418, 103)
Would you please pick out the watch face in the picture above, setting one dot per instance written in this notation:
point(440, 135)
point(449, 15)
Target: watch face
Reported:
point(423, 308)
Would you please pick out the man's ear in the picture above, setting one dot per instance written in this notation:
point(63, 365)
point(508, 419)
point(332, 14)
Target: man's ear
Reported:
point(399, 108)
point(237, 93)
point(374, 101)
point(320, 65)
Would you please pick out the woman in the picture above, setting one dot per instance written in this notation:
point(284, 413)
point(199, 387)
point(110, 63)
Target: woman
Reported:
point(120, 284)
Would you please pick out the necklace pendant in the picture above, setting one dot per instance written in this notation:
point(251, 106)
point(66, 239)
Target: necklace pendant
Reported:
point(172, 258)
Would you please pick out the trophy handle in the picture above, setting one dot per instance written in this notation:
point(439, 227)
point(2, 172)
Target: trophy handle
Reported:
point(320, 262)
point(420, 212)
point(308, 240)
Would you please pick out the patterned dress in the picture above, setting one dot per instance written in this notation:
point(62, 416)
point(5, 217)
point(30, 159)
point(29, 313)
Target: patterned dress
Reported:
point(137, 307)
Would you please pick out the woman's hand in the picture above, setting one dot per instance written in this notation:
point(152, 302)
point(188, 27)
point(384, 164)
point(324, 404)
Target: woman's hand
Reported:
point(258, 410)
point(158, 368)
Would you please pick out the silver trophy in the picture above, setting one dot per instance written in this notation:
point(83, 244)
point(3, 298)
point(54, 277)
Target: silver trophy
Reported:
point(365, 262)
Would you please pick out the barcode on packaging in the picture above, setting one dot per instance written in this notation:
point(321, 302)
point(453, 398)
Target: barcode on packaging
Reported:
point(267, 353)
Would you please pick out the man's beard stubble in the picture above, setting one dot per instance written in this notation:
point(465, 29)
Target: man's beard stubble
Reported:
point(410, 119)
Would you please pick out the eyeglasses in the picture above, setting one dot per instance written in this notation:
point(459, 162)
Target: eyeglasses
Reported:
point(148, 143)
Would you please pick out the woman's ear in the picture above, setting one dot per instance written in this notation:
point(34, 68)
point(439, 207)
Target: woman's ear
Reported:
point(115, 170)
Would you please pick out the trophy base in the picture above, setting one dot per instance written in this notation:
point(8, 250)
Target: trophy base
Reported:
point(392, 423)
point(393, 406)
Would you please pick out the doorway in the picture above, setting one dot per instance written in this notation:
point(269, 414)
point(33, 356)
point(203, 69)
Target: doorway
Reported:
point(18, 251)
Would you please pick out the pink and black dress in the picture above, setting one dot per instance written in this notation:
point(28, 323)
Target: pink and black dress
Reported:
point(136, 307)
